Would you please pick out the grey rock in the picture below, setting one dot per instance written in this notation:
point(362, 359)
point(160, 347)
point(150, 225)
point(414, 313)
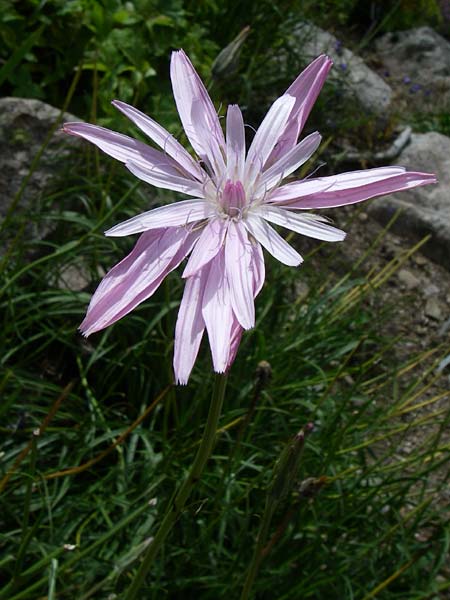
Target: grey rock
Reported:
point(360, 82)
point(416, 53)
point(433, 309)
point(73, 278)
point(425, 210)
point(419, 59)
point(408, 279)
point(24, 126)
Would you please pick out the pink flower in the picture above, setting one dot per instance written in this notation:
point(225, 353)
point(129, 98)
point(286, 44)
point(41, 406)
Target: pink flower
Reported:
point(236, 197)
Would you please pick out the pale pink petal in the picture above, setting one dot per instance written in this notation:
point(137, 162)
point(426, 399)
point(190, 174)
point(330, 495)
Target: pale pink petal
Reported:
point(136, 277)
point(259, 268)
point(299, 189)
point(305, 90)
point(235, 144)
point(217, 312)
point(272, 241)
point(190, 326)
point(235, 340)
point(349, 189)
point(306, 224)
point(163, 138)
point(187, 89)
point(267, 136)
point(239, 270)
point(172, 215)
point(208, 245)
point(212, 154)
point(168, 181)
point(291, 161)
point(124, 149)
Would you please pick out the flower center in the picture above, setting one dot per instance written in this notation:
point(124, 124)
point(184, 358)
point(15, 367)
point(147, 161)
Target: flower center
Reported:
point(232, 199)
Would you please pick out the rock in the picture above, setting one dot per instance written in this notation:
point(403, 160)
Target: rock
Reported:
point(408, 279)
point(419, 59)
point(425, 210)
point(419, 53)
point(24, 126)
point(360, 82)
point(433, 309)
point(74, 278)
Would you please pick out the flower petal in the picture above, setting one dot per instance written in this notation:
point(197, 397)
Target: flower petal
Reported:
point(163, 138)
point(259, 270)
point(190, 326)
point(166, 180)
point(188, 88)
point(235, 340)
point(305, 90)
point(298, 189)
point(172, 215)
point(235, 144)
point(212, 154)
point(267, 136)
point(291, 161)
point(349, 188)
point(217, 312)
point(124, 148)
point(207, 247)
point(272, 241)
point(136, 277)
point(306, 224)
point(239, 270)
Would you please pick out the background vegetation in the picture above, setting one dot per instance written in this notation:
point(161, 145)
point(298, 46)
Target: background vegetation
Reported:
point(95, 436)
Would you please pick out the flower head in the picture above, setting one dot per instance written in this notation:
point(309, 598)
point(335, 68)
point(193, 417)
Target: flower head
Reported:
point(236, 197)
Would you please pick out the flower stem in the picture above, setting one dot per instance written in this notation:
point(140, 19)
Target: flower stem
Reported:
point(179, 499)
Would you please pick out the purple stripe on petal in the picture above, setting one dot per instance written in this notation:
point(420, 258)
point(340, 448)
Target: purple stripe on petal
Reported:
point(358, 190)
point(209, 244)
point(136, 277)
point(217, 312)
point(177, 214)
point(163, 138)
point(190, 326)
point(272, 241)
point(267, 136)
point(238, 264)
point(305, 224)
point(124, 148)
point(188, 88)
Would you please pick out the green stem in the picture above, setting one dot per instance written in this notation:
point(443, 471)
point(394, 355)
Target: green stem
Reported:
point(258, 552)
point(176, 505)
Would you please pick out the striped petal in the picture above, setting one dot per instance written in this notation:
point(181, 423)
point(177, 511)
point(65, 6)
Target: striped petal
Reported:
point(124, 148)
point(208, 245)
point(306, 224)
point(190, 326)
point(239, 271)
point(272, 241)
point(187, 89)
point(173, 215)
point(267, 136)
point(163, 138)
point(357, 186)
point(305, 90)
point(217, 312)
point(291, 161)
point(168, 181)
point(136, 277)
point(235, 144)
